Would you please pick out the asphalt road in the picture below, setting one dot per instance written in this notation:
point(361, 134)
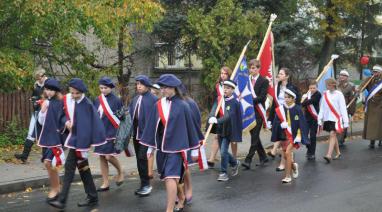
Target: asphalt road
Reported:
point(353, 183)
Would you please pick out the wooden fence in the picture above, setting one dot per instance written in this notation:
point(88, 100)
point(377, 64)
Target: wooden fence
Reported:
point(15, 106)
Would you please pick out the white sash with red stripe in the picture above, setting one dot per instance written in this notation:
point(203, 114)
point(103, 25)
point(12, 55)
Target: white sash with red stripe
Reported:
point(260, 109)
point(164, 110)
point(288, 131)
point(339, 125)
point(311, 108)
point(104, 108)
point(220, 92)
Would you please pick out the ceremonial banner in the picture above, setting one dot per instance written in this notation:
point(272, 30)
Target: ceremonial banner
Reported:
point(326, 75)
point(244, 95)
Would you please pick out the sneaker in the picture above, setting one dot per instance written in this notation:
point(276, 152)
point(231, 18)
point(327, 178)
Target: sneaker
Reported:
point(144, 191)
point(286, 180)
point(295, 171)
point(235, 169)
point(223, 177)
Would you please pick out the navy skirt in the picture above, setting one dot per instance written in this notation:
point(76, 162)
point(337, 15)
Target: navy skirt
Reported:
point(46, 154)
point(170, 165)
point(329, 126)
point(106, 149)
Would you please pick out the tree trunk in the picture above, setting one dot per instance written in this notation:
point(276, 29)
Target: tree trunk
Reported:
point(123, 78)
point(329, 41)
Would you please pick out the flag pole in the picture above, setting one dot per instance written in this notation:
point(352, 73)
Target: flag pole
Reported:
point(326, 68)
point(222, 99)
point(269, 29)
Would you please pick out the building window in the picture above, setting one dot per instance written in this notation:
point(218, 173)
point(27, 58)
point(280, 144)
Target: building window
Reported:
point(171, 57)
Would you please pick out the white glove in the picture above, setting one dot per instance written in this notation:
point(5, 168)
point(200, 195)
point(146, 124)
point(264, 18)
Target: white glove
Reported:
point(319, 123)
point(297, 140)
point(194, 153)
point(304, 96)
point(309, 94)
point(213, 120)
point(150, 151)
point(284, 125)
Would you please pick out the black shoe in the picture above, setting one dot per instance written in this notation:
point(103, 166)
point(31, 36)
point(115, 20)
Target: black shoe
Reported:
point(246, 165)
point(379, 143)
point(87, 203)
point(271, 155)
point(279, 169)
point(57, 204)
point(119, 183)
point(262, 162)
point(371, 146)
point(210, 164)
point(327, 159)
point(311, 157)
point(144, 191)
point(51, 199)
point(103, 189)
point(26, 150)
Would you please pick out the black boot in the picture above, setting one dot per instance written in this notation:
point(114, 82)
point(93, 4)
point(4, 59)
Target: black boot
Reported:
point(372, 144)
point(27, 149)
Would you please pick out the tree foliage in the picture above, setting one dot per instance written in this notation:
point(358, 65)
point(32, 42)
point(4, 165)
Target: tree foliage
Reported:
point(51, 33)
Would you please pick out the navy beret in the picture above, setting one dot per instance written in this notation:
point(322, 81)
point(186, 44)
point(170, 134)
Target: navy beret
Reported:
point(52, 84)
point(106, 81)
point(144, 80)
point(78, 84)
point(169, 80)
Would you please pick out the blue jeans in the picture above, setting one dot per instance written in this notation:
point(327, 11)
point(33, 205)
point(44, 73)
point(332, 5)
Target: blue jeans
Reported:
point(226, 157)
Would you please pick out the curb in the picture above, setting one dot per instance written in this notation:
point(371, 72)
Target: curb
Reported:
point(36, 182)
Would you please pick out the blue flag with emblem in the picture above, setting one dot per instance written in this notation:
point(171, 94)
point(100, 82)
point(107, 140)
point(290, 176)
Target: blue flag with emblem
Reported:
point(244, 95)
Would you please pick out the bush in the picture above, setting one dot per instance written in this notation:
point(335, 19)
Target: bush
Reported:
point(13, 134)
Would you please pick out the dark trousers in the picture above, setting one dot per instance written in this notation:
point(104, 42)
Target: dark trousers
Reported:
point(142, 163)
point(341, 137)
point(313, 126)
point(86, 176)
point(256, 143)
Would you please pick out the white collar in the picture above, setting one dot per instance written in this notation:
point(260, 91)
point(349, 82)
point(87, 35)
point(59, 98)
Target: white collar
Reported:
point(287, 106)
point(255, 77)
point(80, 100)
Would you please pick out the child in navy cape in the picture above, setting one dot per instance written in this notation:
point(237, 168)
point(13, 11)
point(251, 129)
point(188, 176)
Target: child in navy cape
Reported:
point(289, 127)
point(171, 130)
point(140, 109)
point(52, 119)
point(107, 104)
point(85, 130)
point(229, 130)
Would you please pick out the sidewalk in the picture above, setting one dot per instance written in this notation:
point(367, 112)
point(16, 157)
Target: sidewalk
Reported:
point(19, 177)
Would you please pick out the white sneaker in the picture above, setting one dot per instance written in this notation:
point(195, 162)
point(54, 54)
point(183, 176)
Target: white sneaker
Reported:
point(295, 171)
point(223, 177)
point(286, 180)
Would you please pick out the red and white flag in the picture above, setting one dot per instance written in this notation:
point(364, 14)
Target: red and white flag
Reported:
point(266, 60)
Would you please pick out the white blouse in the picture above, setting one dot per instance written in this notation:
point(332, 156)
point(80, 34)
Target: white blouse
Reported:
point(337, 99)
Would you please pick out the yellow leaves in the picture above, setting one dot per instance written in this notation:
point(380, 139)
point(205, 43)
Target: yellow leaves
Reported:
point(28, 190)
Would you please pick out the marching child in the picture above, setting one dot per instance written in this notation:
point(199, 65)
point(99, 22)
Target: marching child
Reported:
point(333, 117)
point(171, 130)
point(289, 127)
point(229, 129)
point(108, 104)
point(140, 109)
point(52, 119)
point(85, 130)
point(311, 103)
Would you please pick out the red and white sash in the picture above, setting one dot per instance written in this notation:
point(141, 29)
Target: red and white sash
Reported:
point(59, 157)
point(339, 125)
point(288, 131)
point(260, 109)
point(220, 92)
point(311, 108)
point(202, 157)
point(105, 108)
